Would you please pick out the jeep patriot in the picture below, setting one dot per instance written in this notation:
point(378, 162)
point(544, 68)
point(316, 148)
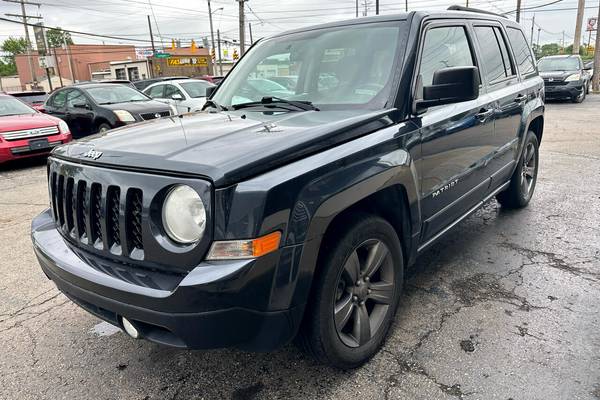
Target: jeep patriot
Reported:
point(292, 212)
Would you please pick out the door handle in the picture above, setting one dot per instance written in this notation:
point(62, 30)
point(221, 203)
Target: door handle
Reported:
point(484, 114)
point(520, 98)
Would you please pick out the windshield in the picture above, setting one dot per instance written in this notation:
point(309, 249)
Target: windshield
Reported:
point(558, 64)
point(196, 88)
point(343, 66)
point(11, 106)
point(112, 94)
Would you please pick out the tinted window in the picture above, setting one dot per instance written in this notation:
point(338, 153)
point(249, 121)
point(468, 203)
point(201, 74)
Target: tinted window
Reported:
point(75, 97)
point(444, 47)
point(155, 91)
point(170, 90)
point(59, 99)
point(521, 50)
point(505, 54)
point(494, 60)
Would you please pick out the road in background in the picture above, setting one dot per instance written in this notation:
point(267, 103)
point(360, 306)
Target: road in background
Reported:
point(505, 307)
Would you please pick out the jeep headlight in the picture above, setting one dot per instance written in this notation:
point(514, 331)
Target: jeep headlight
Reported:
point(124, 116)
point(184, 215)
point(573, 78)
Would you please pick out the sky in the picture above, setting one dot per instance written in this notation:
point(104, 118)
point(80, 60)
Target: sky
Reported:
point(187, 20)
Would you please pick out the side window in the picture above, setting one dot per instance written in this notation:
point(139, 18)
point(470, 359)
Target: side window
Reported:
point(444, 47)
point(156, 92)
point(494, 55)
point(59, 99)
point(521, 50)
point(170, 90)
point(508, 66)
point(75, 97)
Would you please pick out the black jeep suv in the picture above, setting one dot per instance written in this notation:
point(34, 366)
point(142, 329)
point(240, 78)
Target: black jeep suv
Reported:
point(293, 212)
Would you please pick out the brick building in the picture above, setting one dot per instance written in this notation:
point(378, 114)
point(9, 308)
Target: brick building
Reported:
point(85, 59)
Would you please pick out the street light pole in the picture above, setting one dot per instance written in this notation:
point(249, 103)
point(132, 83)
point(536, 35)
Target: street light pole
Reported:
point(596, 77)
point(242, 27)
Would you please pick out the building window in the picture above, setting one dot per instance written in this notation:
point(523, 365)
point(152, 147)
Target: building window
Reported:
point(134, 74)
point(120, 73)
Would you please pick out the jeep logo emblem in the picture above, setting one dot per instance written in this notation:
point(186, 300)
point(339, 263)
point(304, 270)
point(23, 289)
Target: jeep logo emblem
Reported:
point(157, 115)
point(93, 154)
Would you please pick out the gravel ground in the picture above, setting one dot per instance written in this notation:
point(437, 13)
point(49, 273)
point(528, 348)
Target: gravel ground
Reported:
point(505, 307)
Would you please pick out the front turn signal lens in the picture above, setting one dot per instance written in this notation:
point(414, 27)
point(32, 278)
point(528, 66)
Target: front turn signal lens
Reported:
point(242, 249)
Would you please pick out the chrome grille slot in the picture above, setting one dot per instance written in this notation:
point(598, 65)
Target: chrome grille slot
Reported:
point(69, 207)
point(113, 230)
point(81, 211)
point(96, 215)
point(53, 195)
point(59, 200)
point(133, 215)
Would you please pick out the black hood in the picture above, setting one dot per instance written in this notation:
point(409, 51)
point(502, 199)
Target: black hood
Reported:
point(224, 147)
point(139, 107)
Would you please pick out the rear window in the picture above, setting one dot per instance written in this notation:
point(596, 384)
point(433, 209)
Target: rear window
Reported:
point(522, 51)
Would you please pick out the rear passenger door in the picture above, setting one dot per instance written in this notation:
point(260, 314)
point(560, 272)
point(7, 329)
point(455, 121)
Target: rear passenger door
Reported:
point(507, 94)
point(456, 139)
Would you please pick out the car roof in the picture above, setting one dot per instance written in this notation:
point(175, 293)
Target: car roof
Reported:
point(459, 13)
point(89, 85)
point(185, 80)
point(563, 56)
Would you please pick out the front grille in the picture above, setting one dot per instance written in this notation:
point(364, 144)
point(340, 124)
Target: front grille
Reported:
point(114, 217)
point(154, 115)
point(92, 214)
point(554, 82)
point(30, 133)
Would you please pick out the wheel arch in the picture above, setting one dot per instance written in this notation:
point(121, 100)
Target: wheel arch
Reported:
point(537, 126)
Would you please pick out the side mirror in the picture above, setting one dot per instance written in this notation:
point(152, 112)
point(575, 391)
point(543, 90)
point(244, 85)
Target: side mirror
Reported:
point(210, 90)
point(450, 85)
point(81, 105)
point(177, 97)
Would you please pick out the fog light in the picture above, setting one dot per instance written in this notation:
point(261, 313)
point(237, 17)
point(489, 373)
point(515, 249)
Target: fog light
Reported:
point(129, 328)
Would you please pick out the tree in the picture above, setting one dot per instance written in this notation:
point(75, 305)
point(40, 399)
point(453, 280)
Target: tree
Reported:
point(12, 46)
point(56, 37)
point(550, 49)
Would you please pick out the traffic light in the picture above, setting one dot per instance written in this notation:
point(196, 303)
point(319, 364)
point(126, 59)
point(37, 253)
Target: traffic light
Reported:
point(235, 54)
point(193, 46)
point(212, 54)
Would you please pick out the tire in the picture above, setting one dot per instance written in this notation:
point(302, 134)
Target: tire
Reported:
point(103, 128)
point(332, 341)
point(522, 183)
point(580, 97)
point(587, 87)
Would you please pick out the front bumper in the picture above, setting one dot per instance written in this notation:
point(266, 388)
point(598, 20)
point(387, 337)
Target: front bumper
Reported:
point(16, 149)
point(567, 90)
point(214, 305)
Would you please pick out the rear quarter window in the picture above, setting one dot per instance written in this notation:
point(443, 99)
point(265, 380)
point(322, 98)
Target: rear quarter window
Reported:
point(522, 52)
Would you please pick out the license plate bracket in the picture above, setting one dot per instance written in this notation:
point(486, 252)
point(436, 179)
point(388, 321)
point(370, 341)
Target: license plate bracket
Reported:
point(39, 144)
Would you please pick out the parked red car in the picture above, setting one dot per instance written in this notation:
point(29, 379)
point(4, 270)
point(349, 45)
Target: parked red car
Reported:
point(25, 132)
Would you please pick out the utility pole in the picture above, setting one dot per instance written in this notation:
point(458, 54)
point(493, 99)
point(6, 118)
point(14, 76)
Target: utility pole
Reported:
point(29, 48)
point(68, 51)
point(219, 48)
point(467, 3)
point(376, 7)
point(250, 29)
point(538, 42)
point(57, 67)
point(596, 77)
point(532, 27)
point(242, 27)
point(578, 23)
point(356, 8)
point(212, 33)
point(45, 55)
point(518, 10)
point(563, 42)
point(153, 49)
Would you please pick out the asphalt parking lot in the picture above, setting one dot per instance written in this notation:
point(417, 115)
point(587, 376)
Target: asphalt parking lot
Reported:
point(505, 307)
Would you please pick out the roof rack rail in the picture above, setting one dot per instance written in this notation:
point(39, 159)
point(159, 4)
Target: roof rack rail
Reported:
point(476, 10)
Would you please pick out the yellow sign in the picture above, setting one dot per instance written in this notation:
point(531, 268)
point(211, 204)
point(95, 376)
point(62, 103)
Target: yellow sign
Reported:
point(187, 61)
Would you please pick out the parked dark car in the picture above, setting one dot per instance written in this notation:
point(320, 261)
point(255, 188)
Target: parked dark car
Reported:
point(98, 107)
point(119, 81)
point(565, 77)
point(143, 84)
point(255, 222)
point(35, 99)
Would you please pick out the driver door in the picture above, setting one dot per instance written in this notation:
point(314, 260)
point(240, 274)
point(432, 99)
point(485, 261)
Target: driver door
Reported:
point(79, 113)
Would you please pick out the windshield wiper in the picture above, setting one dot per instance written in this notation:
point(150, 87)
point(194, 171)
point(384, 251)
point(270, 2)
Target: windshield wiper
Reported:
point(273, 101)
point(214, 104)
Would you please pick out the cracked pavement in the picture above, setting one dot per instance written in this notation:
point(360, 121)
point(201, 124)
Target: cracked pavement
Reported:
point(504, 307)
